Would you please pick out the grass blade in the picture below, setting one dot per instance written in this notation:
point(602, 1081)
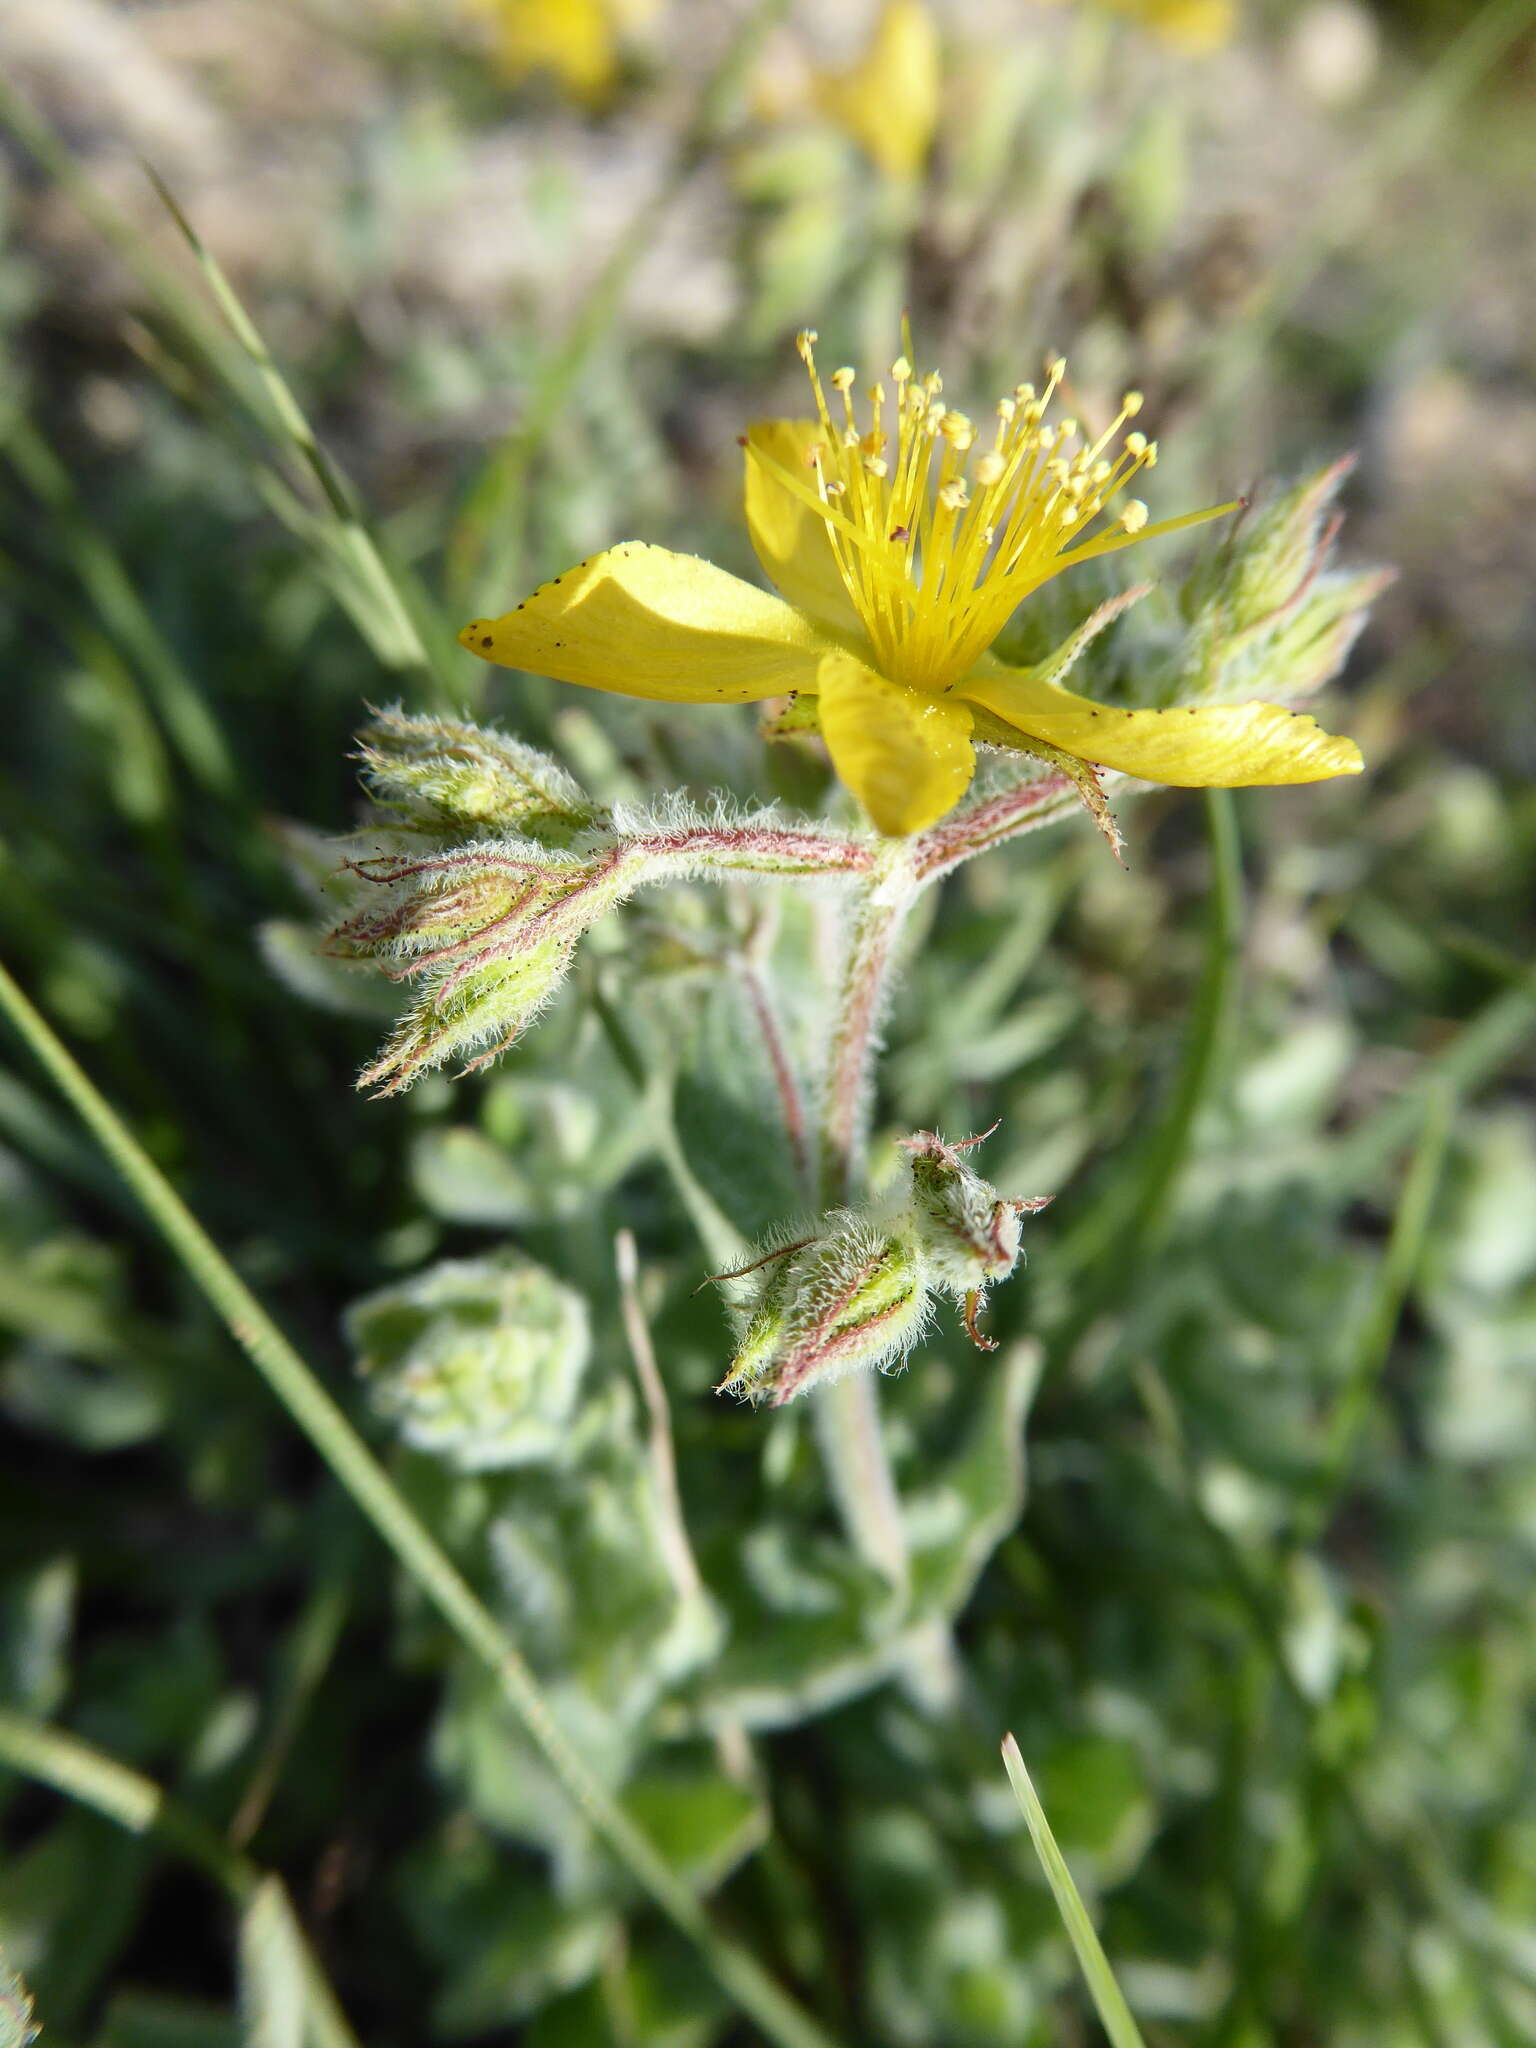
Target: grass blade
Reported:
point(1109, 2002)
point(418, 1551)
point(272, 1997)
point(354, 543)
point(137, 1804)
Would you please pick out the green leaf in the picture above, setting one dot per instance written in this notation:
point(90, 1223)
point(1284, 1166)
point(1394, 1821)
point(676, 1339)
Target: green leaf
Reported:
point(954, 1525)
point(702, 1822)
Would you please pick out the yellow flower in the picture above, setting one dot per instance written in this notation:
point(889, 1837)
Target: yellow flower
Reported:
point(1198, 26)
point(889, 100)
point(903, 546)
point(576, 41)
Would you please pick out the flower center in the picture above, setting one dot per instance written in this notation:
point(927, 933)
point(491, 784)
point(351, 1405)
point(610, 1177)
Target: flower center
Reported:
point(939, 535)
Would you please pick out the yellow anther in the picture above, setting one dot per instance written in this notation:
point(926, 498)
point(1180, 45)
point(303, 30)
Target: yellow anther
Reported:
point(804, 340)
point(937, 526)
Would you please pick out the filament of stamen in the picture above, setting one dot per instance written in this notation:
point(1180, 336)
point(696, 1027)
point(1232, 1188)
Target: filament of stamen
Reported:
point(938, 537)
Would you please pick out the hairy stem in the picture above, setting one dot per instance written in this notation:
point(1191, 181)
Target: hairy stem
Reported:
point(875, 923)
point(848, 1411)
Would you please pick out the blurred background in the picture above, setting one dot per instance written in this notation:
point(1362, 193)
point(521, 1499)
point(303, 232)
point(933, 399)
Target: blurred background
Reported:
point(1236, 1532)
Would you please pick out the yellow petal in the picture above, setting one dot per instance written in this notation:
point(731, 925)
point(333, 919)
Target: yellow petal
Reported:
point(1216, 746)
point(642, 622)
point(907, 757)
point(889, 101)
point(788, 534)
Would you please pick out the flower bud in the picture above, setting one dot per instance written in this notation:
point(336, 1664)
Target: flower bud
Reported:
point(471, 1013)
point(851, 1296)
point(966, 1232)
point(444, 776)
point(1312, 638)
point(486, 926)
point(485, 931)
point(477, 1360)
point(17, 2026)
point(1269, 618)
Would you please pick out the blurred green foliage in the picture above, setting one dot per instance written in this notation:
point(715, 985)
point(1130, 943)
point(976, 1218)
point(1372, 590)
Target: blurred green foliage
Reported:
point(1233, 1530)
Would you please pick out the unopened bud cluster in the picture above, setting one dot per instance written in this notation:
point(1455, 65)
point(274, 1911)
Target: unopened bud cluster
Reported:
point(491, 865)
point(857, 1290)
point(477, 1360)
point(1269, 616)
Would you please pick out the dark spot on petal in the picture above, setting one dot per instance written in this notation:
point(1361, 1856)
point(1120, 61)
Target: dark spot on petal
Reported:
point(486, 641)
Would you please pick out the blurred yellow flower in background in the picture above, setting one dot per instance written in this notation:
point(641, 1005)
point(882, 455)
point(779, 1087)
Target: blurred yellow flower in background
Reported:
point(903, 547)
point(888, 101)
point(579, 42)
point(1198, 26)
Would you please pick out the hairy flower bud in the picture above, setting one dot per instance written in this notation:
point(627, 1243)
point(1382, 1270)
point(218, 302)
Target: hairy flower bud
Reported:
point(443, 775)
point(1269, 616)
point(967, 1233)
point(478, 1360)
point(855, 1291)
point(850, 1296)
point(485, 927)
point(471, 1012)
point(17, 2027)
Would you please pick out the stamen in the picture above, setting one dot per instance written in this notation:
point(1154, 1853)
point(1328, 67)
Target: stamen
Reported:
point(932, 574)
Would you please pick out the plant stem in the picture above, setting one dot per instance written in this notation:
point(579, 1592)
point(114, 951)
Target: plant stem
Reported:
point(731, 1744)
point(848, 1411)
point(875, 922)
point(439, 1579)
